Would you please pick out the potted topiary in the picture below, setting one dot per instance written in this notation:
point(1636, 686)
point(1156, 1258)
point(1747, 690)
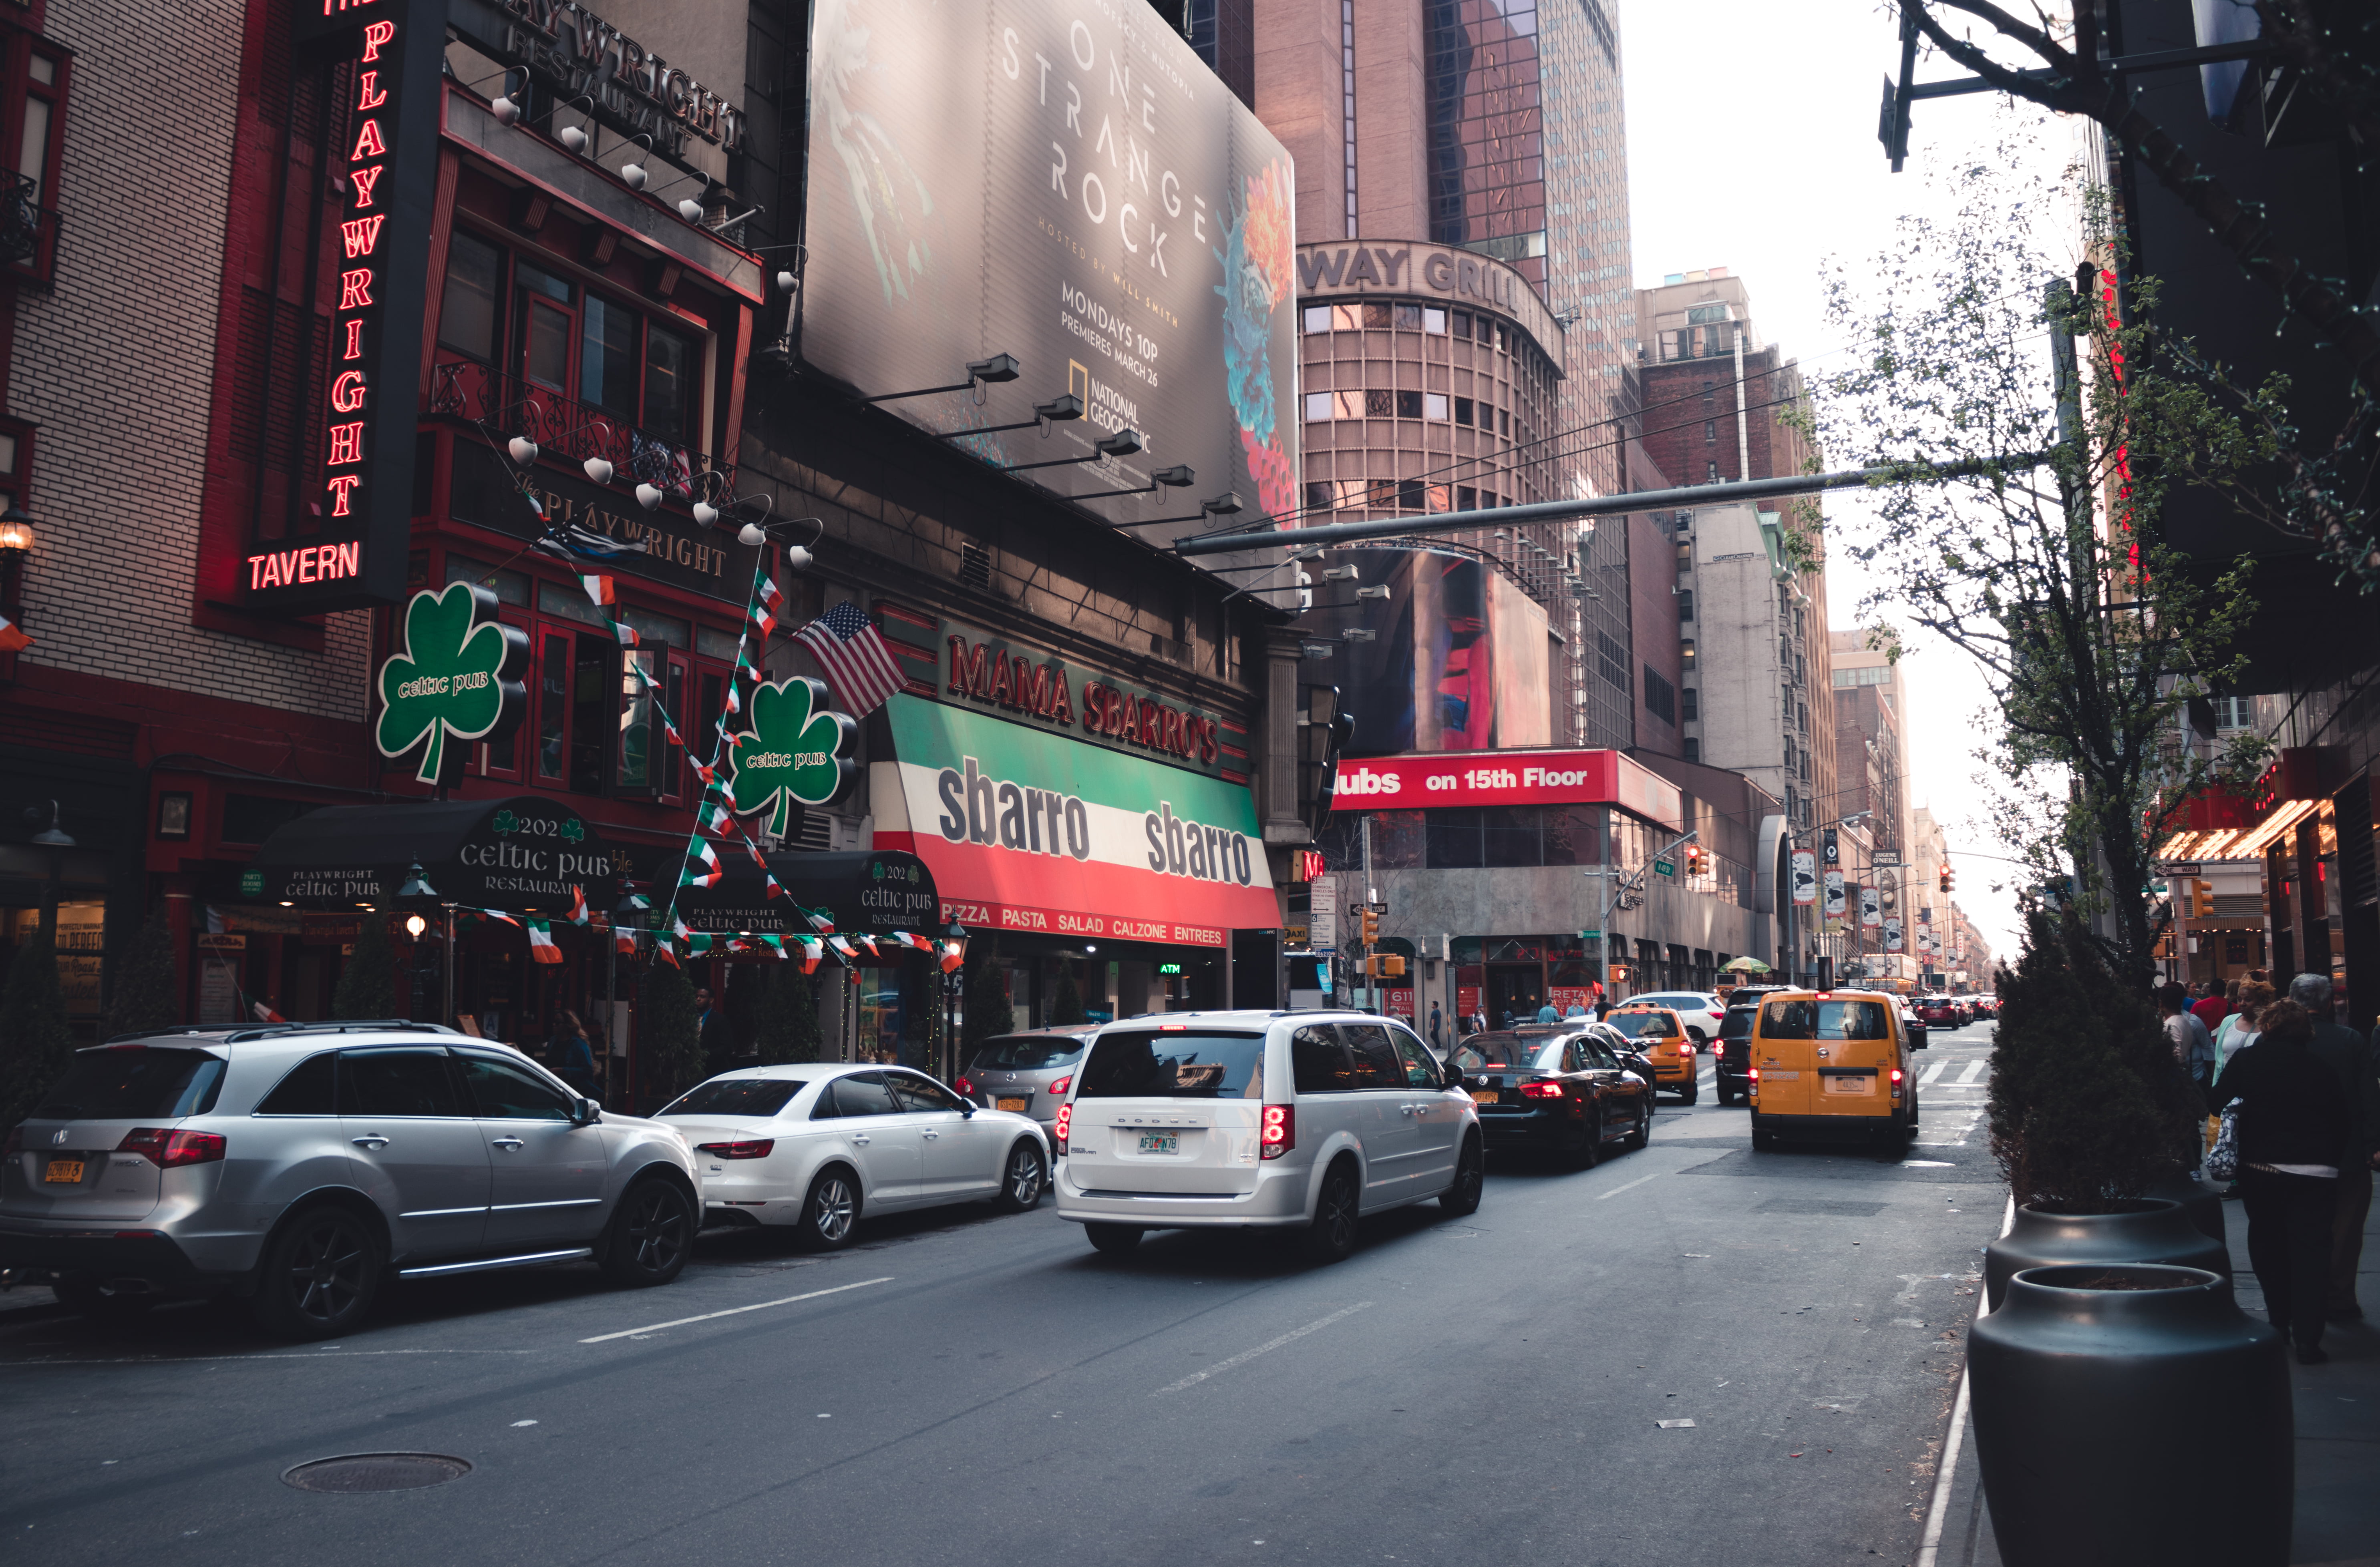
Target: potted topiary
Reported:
point(2089, 1111)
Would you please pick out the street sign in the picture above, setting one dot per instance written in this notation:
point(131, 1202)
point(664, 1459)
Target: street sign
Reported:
point(2184, 868)
point(1665, 867)
point(1590, 935)
point(1322, 924)
point(1884, 857)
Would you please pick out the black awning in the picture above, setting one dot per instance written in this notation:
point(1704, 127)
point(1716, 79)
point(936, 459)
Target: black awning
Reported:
point(874, 890)
point(525, 855)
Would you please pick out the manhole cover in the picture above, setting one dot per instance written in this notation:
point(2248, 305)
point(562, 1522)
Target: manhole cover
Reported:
point(357, 1472)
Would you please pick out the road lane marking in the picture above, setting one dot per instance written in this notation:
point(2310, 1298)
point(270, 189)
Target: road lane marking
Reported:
point(1615, 1191)
point(218, 1359)
point(1974, 1070)
point(1244, 1357)
point(1933, 1072)
point(732, 1312)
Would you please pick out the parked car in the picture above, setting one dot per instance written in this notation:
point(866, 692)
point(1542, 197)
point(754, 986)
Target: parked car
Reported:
point(1306, 1120)
point(1026, 1073)
point(1554, 1091)
point(813, 1147)
point(1732, 1058)
point(300, 1165)
point(1661, 1035)
point(1702, 1011)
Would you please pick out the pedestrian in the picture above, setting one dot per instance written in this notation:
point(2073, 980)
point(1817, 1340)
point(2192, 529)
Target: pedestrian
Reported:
point(2294, 1134)
point(710, 1031)
point(2348, 1053)
point(1573, 1010)
point(2192, 1045)
point(1546, 1014)
point(1434, 1021)
point(573, 1057)
point(2239, 1028)
point(2213, 1007)
point(1507, 1017)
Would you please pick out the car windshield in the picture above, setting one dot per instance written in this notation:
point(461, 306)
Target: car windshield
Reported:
point(1507, 1053)
point(117, 1084)
point(1171, 1064)
point(1813, 1019)
point(1027, 1054)
point(737, 1096)
point(1644, 1025)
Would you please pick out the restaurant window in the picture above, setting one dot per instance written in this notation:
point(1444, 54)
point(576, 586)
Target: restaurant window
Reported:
point(467, 316)
point(33, 76)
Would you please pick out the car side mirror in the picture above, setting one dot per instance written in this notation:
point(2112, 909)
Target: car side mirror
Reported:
point(585, 1112)
point(1453, 1076)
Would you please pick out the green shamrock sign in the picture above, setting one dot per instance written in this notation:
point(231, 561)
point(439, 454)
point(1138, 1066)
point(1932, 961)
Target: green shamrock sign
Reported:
point(793, 753)
point(461, 675)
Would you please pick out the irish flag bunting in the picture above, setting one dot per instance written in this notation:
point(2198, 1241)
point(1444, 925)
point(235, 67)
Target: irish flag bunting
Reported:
point(813, 949)
point(702, 867)
point(869, 942)
point(626, 634)
point(714, 818)
point(768, 602)
point(598, 588)
point(773, 890)
point(541, 942)
point(11, 639)
point(843, 947)
point(626, 943)
point(579, 915)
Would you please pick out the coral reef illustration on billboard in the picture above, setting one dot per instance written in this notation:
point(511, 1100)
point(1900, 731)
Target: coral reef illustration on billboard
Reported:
point(1258, 245)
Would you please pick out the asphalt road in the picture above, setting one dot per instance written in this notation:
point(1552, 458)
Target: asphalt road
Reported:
point(960, 1387)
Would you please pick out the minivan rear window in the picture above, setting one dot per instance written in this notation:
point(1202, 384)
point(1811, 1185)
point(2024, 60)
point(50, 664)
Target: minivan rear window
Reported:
point(113, 1084)
point(1027, 1054)
point(737, 1096)
point(1824, 1019)
point(1171, 1064)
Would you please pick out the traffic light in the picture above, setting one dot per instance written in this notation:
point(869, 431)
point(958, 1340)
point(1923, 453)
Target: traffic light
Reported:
point(1384, 966)
point(1696, 861)
point(1945, 878)
point(2201, 899)
point(1370, 920)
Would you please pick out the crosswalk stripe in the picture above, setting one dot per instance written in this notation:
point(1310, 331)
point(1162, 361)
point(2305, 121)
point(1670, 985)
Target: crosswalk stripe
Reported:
point(1933, 1072)
point(1974, 1070)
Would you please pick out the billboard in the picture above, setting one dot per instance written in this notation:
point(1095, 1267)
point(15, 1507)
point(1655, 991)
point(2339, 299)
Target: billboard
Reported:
point(1456, 659)
point(1065, 182)
point(1510, 778)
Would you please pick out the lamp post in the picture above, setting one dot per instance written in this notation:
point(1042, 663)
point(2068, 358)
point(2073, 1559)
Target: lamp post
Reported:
point(954, 945)
point(416, 895)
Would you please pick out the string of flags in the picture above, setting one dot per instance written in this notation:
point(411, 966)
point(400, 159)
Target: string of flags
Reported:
point(675, 936)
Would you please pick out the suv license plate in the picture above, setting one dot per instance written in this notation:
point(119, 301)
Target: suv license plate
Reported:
point(1161, 1142)
point(64, 1172)
point(1014, 1106)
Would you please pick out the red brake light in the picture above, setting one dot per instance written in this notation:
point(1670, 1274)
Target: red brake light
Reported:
point(964, 1086)
point(1541, 1091)
point(1896, 1074)
point(759, 1149)
point(1171, 1028)
point(1279, 1134)
point(1686, 1047)
point(1755, 1073)
point(1062, 1085)
point(165, 1148)
point(1065, 1119)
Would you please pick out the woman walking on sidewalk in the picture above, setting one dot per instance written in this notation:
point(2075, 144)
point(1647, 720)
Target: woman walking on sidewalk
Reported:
point(2293, 1136)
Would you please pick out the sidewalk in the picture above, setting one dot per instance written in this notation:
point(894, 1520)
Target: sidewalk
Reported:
point(2338, 1408)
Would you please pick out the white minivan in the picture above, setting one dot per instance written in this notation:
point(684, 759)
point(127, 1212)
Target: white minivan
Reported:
point(1270, 1119)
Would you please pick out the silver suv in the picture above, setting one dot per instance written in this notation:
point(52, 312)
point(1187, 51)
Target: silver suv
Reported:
point(1265, 1120)
point(295, 1165)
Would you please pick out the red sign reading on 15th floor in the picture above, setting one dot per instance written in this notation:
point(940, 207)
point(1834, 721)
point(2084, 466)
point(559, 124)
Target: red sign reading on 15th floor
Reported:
point(1415, 781)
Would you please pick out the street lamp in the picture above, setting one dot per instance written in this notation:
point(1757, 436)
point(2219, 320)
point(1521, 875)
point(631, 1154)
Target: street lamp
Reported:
point(416, 891)
point(953, 956)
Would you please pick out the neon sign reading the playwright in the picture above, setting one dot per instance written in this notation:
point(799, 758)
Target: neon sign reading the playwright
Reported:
point(356, 316)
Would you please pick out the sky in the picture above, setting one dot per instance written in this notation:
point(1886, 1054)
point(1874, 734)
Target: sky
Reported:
point(1752, 146)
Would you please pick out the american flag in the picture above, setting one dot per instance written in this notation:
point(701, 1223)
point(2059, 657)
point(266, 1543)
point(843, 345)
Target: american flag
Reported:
point(860, 667)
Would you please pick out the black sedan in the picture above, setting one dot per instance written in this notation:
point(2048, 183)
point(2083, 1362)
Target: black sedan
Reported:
point(1554, 1091)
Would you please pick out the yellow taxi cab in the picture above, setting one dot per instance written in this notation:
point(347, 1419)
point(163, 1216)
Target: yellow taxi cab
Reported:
point(1661, 1035)
point(1831, 1066)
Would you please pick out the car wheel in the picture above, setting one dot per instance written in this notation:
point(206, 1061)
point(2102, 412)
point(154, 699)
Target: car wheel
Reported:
point(830, 1212)
point(1331, 1237)
point(1913, 1122)
point(1692, 1092)
point(1726, 1094)
point(1021, 1188)
point(1638, 1140)
point(1763, 1139)
point(650, 1235)
point(319, 1276)
point(1462, 1199)
point(80, 1294)
point(1114, 1239)
point(1892, 1144)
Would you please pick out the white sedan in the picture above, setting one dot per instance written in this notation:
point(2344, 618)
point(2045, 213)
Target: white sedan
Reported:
point(811, 1146)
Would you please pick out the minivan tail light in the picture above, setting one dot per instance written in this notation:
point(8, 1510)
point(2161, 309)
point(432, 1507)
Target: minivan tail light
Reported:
point(1896, 1075)
point(167, 1148)
point(1062, 1085)
point(1058, 1133)
point(753, 1149)
point(1279, 1134)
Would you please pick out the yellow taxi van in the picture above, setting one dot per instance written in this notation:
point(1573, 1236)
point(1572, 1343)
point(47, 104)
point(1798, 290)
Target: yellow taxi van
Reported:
point(1661, 1034)
point(1831, 1066)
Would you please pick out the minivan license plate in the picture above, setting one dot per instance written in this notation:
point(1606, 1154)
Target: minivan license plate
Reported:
point(1161, 1142)
point(1848, 1085)
point(65, 1172)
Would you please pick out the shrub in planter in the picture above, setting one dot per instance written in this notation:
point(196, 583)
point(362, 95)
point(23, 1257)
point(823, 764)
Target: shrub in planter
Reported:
point(2088, 1107)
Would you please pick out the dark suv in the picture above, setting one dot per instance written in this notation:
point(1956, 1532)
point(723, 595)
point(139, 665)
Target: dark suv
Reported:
point(1734, 1046)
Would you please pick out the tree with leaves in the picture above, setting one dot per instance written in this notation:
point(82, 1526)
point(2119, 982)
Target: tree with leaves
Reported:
point(787, 1016)
point(35, 1039)
point(673, 1040)
point(146, 994)
point(2052, 575)
point(1065, 1001)
point(367, 986)
point(2324, 490)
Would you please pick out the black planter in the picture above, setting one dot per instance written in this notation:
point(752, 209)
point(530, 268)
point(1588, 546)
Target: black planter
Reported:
point(2156, 1231)
point(2094, 1407)
point(2202, 1203)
